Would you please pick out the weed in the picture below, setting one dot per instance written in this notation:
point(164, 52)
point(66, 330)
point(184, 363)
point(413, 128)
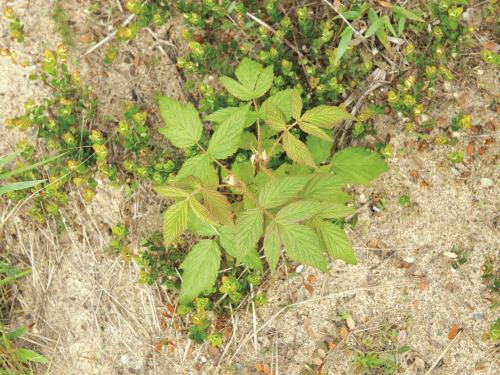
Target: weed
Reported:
point(16, 28)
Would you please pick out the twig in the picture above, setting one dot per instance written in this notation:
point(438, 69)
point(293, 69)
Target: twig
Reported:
point(443, 353)
point(344, 19)
point(254, 320)
point(110, 36)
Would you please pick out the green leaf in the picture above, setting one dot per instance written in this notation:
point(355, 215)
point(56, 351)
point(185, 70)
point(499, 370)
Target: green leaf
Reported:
point(314, 130)
point(296, 104)
point(324, 187)
point(297, 151)
point(199, 166)
point(299, 211)
point(225, 140)
point(218, 206)
point(200, 269)
point(248, 141)
point(21, 185)
point(343, 44)
point(228, 241)
point(325, 116)
point(336, 242)
point(282, 100)
point(175, 221)
point(5, 159)
point(25, 355)
point(272, 246)
point(335, 211)
point(249, 227)
point(248, 72)
point(374, 27)
point(198, 227)
point(406, 13)
point(357, 165)
point(236, 89)
point(170, 191)
point(274, 118)
point(223, 114)
point(320, 149)
point(303, 245)
point(201, 211)
point(252, 260)
point(183, 125)
point(264, 82)
point(280, 191)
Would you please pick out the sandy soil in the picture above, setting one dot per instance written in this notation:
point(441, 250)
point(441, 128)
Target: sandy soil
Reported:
point(92, 317)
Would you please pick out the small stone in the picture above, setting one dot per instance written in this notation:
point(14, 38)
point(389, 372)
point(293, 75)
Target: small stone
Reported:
point(317, 361)
point(124, 360)
point(299, 268)
point(409, 260)
point(450, 255)
point(478, 316)
point(321, 353)
point(486, 182)
point(350, 323)
point(419, 363)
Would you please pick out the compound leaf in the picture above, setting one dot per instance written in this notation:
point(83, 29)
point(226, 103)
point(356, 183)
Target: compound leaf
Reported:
point(336, 242)
point(296, 104)
point(218, 206)
point(274, 118)
point(279, 191)
point(249, 227)
point(298, 211)
point(200, 269)
point(297, 151)
point(358, 165)
point(183, 125)
point(315, 131)
point(170, 191)
point(325, 116)
point(199, 166)
point(303, 245)
point(272, 246)
point(201, 211)
point(264, 82)
point(225, 140)
point(236, 89)
point(175, 221)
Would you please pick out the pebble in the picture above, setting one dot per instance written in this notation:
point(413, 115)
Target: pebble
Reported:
point(409, 260)
point(350, 323)
point(478, 316)
point(450, 254)
point(486, 182)
point(299, 268)
point(124, 359)
point(419, 363)
point(317, 361)
point(321, 353)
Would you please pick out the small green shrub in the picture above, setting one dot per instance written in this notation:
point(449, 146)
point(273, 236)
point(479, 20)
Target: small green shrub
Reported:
point(254, 181)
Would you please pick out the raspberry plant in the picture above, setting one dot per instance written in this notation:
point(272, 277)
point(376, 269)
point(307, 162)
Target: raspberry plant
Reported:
point(277, 197)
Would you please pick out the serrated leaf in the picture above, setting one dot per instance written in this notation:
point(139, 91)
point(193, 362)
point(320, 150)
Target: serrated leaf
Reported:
point(227, 239)
point(201, 211)
point(248, 141)
point(280, 191)
point(264, 82)
point(335, 211)
point(236, 89)
point(248, 72)
point(325, 116)
point(175, 221)
point(299, 211)
point(249, 227)
point(282, 100)
point(357, 165)
point(324, 187)
point(296, 104)
point(274, 118)
point(199, 166)
point(320, 149)
point(200, 269)
point(199, 227)
point(218, 206)
point(223, 114)
point(170, 191)
point(303, 245)
point(183, 125)
point(336, 242)
point(345, 39)
point(315, 131)
point(272, 246)
point(252, 260)
point(243, 171)
point(406, 13)
point(297, 151)
point(225, 140)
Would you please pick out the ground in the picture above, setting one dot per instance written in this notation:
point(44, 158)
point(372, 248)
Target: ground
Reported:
point(91, 316)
